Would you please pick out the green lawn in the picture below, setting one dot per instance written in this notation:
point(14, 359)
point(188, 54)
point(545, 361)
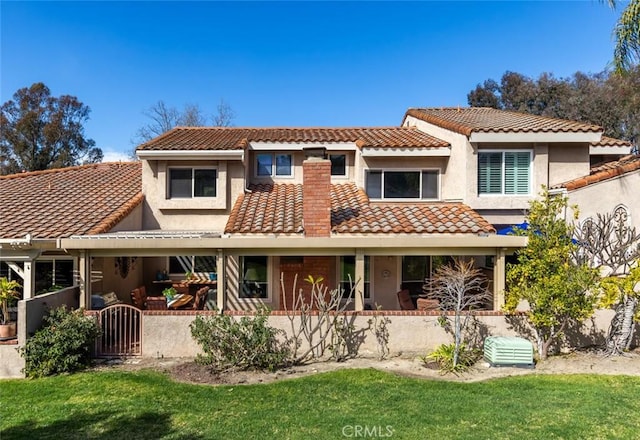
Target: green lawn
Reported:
point(341, 404)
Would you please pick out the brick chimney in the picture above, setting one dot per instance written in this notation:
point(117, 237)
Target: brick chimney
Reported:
point(316, 194)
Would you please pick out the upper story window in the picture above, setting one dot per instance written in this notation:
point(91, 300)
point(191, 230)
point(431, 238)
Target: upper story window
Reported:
point(274, 165)
point(504, 172)
point(338, 164)
point(186, 183)
point(383, 184)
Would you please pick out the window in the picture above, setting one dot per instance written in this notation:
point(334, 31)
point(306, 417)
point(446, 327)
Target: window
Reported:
point(416, 269)
point(254, 282)
point(200, 265)
point(338, 164)
point(186, 183)
point(504, 172)
point(53, 274)
point(268, 164)
point(348, 276)
point(382, 184)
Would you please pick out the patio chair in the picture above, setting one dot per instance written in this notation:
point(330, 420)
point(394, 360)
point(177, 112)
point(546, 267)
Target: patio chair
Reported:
point(139, 297)
point(404, 298)
point(201, 297)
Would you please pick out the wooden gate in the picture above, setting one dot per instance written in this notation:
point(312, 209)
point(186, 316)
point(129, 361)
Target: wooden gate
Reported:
point(121, 326)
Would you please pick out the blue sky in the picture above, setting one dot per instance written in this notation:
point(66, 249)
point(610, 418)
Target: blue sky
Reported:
point(288, 63)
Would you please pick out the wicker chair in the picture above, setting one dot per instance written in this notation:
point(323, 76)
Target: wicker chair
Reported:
point(404, 298)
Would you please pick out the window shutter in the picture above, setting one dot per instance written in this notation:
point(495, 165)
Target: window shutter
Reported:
point(516, 175)
point(489, 173)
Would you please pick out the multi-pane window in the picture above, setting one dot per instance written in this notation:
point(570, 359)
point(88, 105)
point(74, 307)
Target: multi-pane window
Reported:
point(274, 165)
point(53, 275)
point(338, 164)
point(383, 184)
point(348, 280)
point(254, 282)
point(200, 265)
point(187, 183)
point(504, 172)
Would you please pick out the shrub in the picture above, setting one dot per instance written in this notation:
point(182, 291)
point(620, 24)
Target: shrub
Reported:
point(443, 355)
point(62, 345)
point(248, 343)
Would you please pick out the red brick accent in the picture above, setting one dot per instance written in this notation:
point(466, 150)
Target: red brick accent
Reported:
point(312, 265)
point(316, 197)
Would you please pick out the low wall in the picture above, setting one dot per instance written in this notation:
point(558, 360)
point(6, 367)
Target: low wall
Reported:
point(12, 363)
point(32, 310)
point(167, 334)
point(30, 314)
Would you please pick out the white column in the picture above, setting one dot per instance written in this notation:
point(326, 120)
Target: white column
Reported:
point(359, 293)
point(499, 274)
point(84, 272)
point(29, 279)
point(221, 269)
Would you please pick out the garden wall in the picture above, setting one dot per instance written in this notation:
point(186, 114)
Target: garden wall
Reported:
point(167, 334)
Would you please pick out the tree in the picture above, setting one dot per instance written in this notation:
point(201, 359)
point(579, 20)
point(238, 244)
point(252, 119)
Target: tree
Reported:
point(610, 244)
point(627, 35)
point(459, 287)
point(39, 131)
point(609, 100)
point(163, 118)
point(558, 288)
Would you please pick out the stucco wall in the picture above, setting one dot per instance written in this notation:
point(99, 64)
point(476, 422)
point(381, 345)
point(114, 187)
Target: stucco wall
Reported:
point(189, 214)
point(11, 363)
point(603, 197)
point(409, 332)
point(567, 162)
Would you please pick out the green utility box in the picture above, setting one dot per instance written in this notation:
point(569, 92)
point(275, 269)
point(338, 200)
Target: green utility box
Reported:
point(508, 351)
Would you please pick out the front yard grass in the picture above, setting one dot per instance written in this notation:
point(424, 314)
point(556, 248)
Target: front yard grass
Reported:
point(340, 404)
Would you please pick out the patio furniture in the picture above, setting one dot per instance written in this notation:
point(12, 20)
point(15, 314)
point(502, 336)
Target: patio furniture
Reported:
point(180, 301)
point(201, 296)
point(428, 304)
point(156, 303)
point(404, 298)
point(139, 297)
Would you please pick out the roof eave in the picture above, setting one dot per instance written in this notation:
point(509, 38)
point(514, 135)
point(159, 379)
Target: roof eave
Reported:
point(407, 152)
point(610, 149)
point(539, 137)
point(190, 154)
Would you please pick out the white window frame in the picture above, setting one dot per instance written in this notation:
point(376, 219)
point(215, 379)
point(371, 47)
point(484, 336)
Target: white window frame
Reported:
point(502, 193)
point(274, 167)
point(193, 182)
point(346, 165)
point(404, 170)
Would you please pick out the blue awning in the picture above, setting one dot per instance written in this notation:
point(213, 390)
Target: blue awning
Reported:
point(510, 230)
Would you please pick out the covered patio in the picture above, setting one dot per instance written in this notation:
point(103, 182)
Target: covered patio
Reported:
point(375, 263)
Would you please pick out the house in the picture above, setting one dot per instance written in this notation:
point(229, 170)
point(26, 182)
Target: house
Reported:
point(248, 209)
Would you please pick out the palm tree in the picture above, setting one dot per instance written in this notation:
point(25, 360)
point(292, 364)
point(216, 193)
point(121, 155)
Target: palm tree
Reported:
point(627, 32)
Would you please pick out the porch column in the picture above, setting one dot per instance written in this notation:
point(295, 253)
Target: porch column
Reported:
point(84, 278)
point(221, 290)
point(29, 279)
point(359, 293)
point(499, 274)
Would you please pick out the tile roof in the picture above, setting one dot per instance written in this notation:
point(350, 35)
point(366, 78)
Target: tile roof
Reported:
point(606, 141)
point(604, 171)
point(87, 199)
point(467, 120)
point(234, 138)
point(277, 208)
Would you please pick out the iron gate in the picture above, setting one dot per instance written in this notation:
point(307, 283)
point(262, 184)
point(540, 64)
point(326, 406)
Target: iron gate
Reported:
point(121, 326)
